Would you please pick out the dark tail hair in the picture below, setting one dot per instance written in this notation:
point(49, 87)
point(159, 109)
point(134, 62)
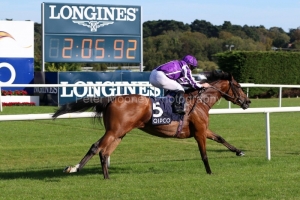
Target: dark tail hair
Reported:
point(98, 103)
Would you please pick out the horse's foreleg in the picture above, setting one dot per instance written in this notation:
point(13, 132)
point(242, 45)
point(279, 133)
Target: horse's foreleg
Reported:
point(201, 140)
point(215, 137)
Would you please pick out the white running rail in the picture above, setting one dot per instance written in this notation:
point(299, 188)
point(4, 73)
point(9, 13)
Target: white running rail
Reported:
point(267, 111)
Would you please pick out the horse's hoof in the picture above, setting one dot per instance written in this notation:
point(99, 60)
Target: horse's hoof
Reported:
point(67, 169)
point(240, 153)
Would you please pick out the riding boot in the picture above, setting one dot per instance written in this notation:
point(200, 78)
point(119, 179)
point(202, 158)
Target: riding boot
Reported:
point(179, 103)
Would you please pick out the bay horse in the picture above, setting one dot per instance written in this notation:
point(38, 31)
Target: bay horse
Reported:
point(121, 114)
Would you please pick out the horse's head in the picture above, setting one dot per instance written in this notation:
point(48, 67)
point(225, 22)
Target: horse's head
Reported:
point(229, 88)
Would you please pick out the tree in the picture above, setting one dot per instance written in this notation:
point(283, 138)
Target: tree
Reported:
point(194, 43)
point(280, 38)
point(225, 35)
point(227, 26)
point(155, 28)
point(204, 27)
point(251, 32)
point(295, 34)
point(214, 46)
point(37, 47)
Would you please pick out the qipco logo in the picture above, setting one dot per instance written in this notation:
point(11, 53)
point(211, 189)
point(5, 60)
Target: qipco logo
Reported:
point(12, 72)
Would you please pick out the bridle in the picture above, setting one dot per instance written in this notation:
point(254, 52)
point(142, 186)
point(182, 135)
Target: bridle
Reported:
point(236, 97)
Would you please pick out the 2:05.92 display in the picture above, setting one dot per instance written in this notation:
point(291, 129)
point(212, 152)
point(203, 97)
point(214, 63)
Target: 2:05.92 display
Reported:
point(59, 48)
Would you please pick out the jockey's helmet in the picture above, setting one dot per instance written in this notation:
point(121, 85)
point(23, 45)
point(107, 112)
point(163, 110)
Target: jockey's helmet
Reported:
point(190, 60)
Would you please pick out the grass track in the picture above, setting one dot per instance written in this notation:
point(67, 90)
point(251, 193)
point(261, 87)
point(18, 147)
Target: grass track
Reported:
point(34, 153)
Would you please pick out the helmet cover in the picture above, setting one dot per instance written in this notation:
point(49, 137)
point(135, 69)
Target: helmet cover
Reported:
point(190, 60)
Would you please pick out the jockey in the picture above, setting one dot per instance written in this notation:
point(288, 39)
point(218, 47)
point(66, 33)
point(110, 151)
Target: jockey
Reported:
point(166, 77)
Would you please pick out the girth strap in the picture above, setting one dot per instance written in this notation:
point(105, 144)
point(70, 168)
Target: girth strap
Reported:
point(179, 128)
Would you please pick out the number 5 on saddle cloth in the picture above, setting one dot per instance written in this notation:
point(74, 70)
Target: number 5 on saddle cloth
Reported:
point(162, 110)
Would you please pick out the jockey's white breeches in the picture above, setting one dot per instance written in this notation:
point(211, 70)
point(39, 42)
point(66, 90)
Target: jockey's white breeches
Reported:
point(160, 80)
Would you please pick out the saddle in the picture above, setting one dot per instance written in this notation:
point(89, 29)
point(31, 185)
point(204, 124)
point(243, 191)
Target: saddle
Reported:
point(163, 111)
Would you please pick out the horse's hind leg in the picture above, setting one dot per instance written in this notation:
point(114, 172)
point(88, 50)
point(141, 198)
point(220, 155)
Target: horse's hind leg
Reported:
point(103, 161)
point(104, 155)
point(215, 137)
point(94, 149)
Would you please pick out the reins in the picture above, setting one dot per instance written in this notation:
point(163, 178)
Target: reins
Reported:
point(198, 97)
point(235, 95)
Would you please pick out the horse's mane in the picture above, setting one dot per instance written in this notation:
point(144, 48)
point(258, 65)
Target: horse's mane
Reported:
point(212, 76)
point(216, 75)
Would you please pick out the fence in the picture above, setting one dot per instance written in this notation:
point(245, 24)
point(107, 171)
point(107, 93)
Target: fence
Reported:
point(267, 111)
point(244, 85)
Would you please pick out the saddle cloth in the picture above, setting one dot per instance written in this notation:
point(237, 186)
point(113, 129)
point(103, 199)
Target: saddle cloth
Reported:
point(162, 110)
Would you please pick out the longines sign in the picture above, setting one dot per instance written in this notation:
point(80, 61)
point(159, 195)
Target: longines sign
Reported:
point(91, 19)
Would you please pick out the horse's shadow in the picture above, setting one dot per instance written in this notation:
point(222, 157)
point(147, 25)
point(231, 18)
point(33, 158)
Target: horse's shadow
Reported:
point(55, 175)
point(48, 175)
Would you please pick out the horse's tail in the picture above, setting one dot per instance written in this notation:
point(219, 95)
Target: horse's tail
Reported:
point(98, 103)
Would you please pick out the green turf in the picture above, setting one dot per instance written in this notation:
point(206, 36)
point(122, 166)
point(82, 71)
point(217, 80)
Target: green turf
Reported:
point(34, 153)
